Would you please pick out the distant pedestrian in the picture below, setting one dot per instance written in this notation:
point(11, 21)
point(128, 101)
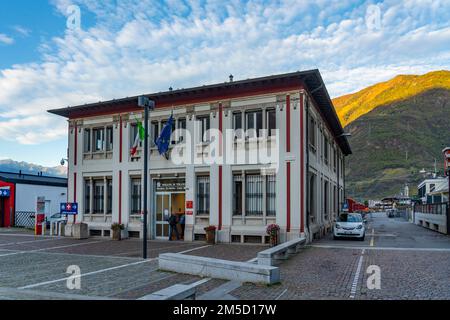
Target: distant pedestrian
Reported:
point(182, 224)
point(173, 221)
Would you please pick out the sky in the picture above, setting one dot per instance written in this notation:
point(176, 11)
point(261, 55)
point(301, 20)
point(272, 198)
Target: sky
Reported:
point(58, 53)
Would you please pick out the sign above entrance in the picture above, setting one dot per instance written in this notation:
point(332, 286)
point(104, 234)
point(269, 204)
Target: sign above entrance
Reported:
point(170, 185)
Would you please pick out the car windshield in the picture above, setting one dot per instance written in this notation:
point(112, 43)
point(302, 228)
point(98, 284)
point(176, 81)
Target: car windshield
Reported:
point(56, 216)
point(350, 218)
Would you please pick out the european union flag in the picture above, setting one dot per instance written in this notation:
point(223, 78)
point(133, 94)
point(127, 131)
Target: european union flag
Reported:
point(163, 140)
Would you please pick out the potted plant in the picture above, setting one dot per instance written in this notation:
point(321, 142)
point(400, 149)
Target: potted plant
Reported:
point(273, 231)
point(210, 234)
point(117, 231)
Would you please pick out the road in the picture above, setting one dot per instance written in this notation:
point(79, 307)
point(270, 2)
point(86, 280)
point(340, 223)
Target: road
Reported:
point(414, 263)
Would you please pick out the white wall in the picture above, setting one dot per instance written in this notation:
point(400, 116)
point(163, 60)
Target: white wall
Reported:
point(26, 196)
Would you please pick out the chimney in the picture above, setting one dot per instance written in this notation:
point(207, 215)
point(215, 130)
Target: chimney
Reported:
point(231, 78)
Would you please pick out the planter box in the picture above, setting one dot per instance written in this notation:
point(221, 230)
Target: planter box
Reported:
point(80, 231)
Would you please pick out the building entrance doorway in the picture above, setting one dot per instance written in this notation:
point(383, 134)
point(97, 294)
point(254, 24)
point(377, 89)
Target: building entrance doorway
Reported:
point(2, 213)
point(170, 199)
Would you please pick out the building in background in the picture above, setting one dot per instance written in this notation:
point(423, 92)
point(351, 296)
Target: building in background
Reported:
point(19, 193)
point(432, 190)
point(302, 195)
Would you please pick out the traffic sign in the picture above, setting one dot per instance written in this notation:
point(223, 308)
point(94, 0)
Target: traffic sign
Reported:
point(69, 208)
point(5, 193)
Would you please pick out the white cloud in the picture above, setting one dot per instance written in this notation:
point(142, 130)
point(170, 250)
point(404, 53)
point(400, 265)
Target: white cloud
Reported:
point(6, 39)
point(146, 46)
point(22, 31)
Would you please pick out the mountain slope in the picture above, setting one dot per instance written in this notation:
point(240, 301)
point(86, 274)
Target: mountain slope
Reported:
point(351, 107)
point(28, 168)
point(392, 143)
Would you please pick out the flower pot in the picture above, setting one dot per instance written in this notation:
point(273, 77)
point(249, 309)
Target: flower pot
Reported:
point(211, 236)
point(117, 234)
point(274, 239)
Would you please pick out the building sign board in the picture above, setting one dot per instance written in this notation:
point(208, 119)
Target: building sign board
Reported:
point(5, 192)
point(69, 208)
point(170, 185)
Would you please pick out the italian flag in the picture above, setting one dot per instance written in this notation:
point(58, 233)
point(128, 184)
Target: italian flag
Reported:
point(140, 136)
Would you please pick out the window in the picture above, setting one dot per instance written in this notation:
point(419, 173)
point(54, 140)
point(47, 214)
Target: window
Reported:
point(254, 123)
point(203, 195)
point(87, 140)
point(154, 134)
point(204, 125)
point(312, 133)
point(87, 196)
point(334, 159)
point(271, 122)
point(237, 195)
point(135, 196)
point(325, 149)
point(182, 127)
point(325, 200)
point(271, 195)
point(312, 198)
point(254, 195)
point(99, 193)
point(109, 200)
point(99, 139)
point(109, 138)
point(237, 125)
point(335, 202)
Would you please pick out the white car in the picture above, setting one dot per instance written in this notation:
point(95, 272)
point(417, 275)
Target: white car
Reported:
point(350, 225)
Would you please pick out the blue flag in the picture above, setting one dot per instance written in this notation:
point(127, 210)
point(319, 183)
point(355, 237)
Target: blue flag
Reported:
point(163, 140)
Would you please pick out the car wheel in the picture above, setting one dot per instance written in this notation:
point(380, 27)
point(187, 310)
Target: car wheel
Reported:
point(362, 238)
point(335, 238)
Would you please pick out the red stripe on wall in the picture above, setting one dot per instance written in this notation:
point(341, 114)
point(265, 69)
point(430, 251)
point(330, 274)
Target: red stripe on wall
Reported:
point(288, 123)
point(302, 167)
point(220, 167)
point(288, 197)
point(120, 197)
point(220, 197)
point(76, 146)
point(120, 140)
point(74, 187)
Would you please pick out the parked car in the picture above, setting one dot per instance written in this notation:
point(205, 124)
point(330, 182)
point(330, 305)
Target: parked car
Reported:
point(350, 225)
point(57, 217)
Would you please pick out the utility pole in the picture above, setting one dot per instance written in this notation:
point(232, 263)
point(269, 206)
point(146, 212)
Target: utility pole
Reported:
point(148, 105)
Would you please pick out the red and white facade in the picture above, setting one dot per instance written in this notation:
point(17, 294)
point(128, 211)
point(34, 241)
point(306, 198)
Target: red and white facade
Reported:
point(302, 196)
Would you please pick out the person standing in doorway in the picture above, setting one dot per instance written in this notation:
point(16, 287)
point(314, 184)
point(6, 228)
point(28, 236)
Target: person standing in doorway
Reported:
point(182, 224)
point(173, 221)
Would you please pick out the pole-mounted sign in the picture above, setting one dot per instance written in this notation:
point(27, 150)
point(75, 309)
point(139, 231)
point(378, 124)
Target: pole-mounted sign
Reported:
point(70, 209)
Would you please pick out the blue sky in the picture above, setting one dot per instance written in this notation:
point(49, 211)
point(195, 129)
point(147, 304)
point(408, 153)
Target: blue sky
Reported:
point(127, 47)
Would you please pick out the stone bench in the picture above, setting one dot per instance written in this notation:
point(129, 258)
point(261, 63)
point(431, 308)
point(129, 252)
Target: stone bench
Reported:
point(281, 252)
point(219, 269)
point(176, 292)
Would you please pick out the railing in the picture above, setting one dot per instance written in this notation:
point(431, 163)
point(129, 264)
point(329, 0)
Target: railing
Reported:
point(24, 219)
point(435, 208)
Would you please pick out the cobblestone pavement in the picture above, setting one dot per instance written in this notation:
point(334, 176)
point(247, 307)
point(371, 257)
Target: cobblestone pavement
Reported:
point(414, 264)
point(413, 261)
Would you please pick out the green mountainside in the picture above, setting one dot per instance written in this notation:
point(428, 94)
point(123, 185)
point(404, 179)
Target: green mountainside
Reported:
point(398, 128)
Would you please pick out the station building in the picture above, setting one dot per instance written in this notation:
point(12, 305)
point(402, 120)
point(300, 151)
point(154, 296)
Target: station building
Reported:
point(301, 190)
point(19, 193)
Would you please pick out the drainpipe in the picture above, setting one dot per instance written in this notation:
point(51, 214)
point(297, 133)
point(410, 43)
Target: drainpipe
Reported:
point(307, 168)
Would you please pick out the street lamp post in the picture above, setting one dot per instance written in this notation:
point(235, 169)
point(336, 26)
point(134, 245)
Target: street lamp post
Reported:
point(148, 105)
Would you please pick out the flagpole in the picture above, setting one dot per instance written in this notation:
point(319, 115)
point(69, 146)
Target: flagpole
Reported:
point(147, 104)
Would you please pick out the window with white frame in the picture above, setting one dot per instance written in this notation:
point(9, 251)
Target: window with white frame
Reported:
point(237, 195)
point(326, 200)
point(98, 139)
point(253, 123)
point(135, 196)
point(271, 195)
point(99, 194)
point(181, 127)
point(203, 126)
point(312, 197)
point(109, 187)
point(271, 122)
point(87, 140)
point(87, 196)
point(203, 195)
point(312, 133)
point(237, 125)
point(109, 138)
point(254, 195)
